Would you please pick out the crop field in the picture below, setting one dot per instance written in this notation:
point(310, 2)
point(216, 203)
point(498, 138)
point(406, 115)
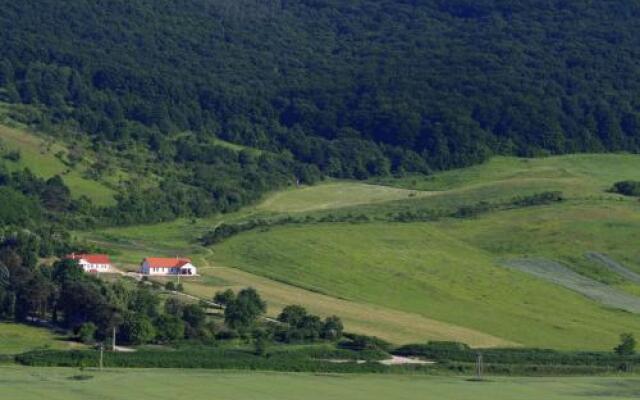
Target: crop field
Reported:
point(20, 383)
point(446, 278)
point(39, 155)
point(17, 338)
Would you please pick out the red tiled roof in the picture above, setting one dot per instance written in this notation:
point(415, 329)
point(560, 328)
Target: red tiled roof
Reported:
point(157, 262)
point(91, 258)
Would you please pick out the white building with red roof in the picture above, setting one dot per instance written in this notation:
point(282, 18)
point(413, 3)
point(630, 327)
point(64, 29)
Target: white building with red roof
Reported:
point(93, 263)
point(157, 266)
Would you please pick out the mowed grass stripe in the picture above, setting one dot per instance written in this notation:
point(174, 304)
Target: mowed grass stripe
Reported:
point(559, 274)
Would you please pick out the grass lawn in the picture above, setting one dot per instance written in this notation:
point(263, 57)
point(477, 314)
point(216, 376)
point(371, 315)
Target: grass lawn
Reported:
point(17, 338)
point(18, 383)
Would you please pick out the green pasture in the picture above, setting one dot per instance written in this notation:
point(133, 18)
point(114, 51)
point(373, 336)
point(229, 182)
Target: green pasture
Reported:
point(418, 268)
point(384, 277)
point(18, 383)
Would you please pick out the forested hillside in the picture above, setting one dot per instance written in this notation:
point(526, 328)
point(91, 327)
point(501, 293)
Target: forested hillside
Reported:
point(349, 89)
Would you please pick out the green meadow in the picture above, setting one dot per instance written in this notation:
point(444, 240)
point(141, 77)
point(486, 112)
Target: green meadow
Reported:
point(334, 195)
point(18, 338)
point(442, 279)
point(18, 383)
point(417, 268)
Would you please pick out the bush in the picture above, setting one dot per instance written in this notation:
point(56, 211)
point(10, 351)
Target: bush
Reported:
point(137, 329)
point(362, 342)
point(627, 346)
point(627, 188)
point(87, 332)
point(12, 155)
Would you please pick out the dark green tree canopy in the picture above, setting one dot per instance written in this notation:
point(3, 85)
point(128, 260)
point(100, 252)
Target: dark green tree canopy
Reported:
point(242, 312)
point(354, 88)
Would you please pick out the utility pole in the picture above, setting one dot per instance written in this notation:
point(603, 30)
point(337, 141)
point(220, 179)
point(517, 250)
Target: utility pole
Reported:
point(479, 367)
point(113, 339)
point(101, 355)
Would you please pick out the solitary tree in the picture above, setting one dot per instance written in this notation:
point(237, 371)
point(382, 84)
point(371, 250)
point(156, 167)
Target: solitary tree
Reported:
point(244, 310)
point(627, 346)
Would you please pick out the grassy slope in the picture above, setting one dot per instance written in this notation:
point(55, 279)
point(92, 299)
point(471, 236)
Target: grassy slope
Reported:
point(334, 195)
point(130, 245)
point(574, 173)
point(16, 338)
point(38, 155)
point(418, 269)
point(55, 383)
point(447, 270)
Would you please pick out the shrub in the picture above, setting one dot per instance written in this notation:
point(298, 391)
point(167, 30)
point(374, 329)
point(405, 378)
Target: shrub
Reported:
point(362, 342)
point(627, 188)
point(627, 346)
point(87, 332)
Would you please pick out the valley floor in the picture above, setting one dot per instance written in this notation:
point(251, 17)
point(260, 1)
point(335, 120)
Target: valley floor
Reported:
point(19, 383)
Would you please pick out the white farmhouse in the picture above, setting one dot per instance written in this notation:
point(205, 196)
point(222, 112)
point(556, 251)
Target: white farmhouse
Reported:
point(156, 266)
point(93, 263)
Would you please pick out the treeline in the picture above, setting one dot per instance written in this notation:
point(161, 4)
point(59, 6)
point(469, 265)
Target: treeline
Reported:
point(227, 230)
point(355, 89)
point(299, 360)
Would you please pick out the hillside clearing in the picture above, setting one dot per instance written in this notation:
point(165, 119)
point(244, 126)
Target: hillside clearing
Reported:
point(334, 195)
point(39, 155)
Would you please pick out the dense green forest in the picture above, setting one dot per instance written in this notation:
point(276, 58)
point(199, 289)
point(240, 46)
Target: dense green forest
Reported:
point(348, 89)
